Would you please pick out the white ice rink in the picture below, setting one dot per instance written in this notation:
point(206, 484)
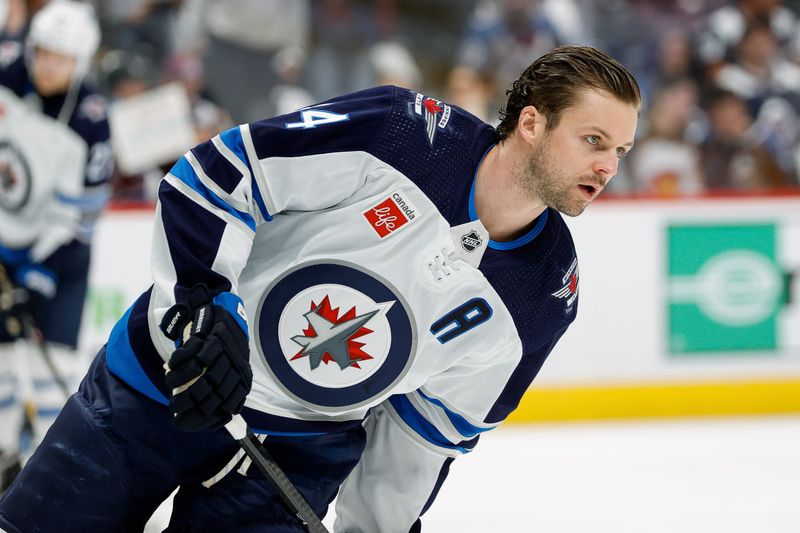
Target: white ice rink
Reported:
point(734, 475)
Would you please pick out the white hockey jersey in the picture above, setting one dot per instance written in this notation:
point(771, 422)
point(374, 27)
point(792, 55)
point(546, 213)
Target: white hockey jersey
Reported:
point(83, 110)
point(41, 174)
point(344, 238)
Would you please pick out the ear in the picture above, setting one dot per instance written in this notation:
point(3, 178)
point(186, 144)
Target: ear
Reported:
point(531, 124)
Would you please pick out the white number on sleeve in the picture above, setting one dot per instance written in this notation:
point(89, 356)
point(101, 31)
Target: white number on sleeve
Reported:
point(313, 118)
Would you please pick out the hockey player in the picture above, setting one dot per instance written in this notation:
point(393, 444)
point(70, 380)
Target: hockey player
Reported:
point(46, 220)
point(372, 282)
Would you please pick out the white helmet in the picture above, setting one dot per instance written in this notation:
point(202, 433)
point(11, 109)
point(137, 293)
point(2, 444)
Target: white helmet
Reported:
point(67, 27)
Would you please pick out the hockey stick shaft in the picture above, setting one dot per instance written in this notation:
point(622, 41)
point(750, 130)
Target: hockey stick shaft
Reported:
point(26, 325)
point(288, 493)
point(35, 337)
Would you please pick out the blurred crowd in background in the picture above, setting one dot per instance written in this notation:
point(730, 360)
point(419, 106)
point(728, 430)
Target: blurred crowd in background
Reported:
point(721, 79)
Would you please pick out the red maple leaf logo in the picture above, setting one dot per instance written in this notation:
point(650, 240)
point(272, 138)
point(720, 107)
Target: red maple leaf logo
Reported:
point(573, 283)
point(332, 315)
point(432, 106)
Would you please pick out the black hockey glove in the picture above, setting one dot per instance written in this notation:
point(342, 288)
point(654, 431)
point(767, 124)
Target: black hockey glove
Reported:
point(209, 373)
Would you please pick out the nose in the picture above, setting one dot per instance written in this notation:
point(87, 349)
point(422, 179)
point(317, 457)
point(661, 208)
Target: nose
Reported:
point(607, 165)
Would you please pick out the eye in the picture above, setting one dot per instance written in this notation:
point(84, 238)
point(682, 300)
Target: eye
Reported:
point(593, 139)
point(621, 152)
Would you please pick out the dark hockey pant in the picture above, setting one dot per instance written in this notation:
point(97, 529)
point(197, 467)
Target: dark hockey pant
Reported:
point(113, 455)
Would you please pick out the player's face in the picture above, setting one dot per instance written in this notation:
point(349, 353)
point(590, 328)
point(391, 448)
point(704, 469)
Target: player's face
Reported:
point(574, 161)
point(51, 72)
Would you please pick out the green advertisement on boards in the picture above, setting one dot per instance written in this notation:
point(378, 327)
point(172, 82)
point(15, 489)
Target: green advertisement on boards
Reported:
point(725, 289)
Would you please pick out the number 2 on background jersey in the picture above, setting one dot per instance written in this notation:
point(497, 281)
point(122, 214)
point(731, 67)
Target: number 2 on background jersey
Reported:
point(461, 319)
point(314, 117)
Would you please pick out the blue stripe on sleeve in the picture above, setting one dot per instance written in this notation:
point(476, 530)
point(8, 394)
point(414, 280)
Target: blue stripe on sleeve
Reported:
point(232, 138)
point(260, 201)
point(89, 202)
point(231, 303)
point(459, 422)
point(14, 257)
point(183, 171)
point(420, 424)
point(122, 361)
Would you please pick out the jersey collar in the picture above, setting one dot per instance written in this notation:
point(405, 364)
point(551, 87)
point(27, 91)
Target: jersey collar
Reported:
point(541, 220)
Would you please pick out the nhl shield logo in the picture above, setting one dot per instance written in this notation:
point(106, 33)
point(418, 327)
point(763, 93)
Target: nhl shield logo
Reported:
point(15, 178)
point(333, 335)
point(471, 241)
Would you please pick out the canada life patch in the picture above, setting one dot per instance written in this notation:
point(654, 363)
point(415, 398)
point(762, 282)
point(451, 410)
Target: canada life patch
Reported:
point(390, 214)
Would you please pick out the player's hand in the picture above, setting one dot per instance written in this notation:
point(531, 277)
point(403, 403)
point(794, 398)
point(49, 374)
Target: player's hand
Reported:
point(209, 374)
point(37, 278)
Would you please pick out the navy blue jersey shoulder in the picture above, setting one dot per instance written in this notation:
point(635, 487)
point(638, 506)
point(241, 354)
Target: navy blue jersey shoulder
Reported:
point(90, 117)
point(537, 281)
point(13, 74)
point(344, 124)
point(435, 145)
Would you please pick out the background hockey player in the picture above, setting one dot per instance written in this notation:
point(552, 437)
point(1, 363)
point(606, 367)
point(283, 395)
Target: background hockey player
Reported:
point(371, 282)
point(45, 234)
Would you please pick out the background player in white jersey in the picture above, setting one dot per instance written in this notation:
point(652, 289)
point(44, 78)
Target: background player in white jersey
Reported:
point(45, 233)
point(372, 282)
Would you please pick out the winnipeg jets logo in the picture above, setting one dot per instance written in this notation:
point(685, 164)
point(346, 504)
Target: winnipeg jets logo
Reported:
point(435, 113)
point(569, 292)
point(15, 179)
point(329, 337)
point(9, 51)
point(7, 177)
point(333, 335)
point(94, 108)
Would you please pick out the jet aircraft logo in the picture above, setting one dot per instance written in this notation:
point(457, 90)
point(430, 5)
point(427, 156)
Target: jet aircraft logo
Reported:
point(569, 292)
point(435, 113)
point(333, 335)
point(331, 338)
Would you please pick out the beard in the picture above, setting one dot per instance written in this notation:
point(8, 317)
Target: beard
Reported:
point(541, 181)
